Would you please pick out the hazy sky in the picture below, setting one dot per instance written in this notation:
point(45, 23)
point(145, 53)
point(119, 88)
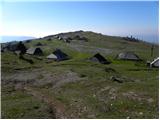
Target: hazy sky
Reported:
point(112, 18)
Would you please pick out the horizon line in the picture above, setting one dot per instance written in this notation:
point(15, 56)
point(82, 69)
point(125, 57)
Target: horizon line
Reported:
point(37, 37)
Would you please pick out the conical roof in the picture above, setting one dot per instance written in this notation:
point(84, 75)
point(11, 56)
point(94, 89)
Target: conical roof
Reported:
point(52, 56)
point(99, 58)
point(34, 51)
point(60, 55)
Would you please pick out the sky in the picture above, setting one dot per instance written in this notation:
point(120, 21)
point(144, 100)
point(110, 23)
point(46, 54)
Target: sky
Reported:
point(40, 18)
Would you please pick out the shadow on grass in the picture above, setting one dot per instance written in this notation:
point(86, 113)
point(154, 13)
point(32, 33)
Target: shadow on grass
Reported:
point(25, 59)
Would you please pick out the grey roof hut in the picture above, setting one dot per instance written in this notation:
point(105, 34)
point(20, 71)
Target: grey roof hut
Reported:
point(34, 51)
point(128, 56)
point(58, 55)
point(99, 58)
point(52, 57)
point(155, 63)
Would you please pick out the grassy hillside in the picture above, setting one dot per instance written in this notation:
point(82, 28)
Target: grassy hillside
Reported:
point(79, 88)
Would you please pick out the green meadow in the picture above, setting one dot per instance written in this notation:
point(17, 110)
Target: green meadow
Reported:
point(78, 87)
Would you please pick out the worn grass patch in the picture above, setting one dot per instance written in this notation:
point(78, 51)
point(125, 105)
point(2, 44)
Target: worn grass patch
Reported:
point(18, 104)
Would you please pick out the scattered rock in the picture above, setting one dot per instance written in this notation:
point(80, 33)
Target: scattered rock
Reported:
point(113, 78)
point(18, 86)
point(94, 95)
point(22, 114)
point(150, 100)
point(128, 117)
point(112, 94)
point(140, 113)
point(105, 88)
point(92, 116)
point(138, 97)
point(65, 78)
point(110, 70)
point(105, 108)
point(83, 75)
point(36, 107)
point(106, 94)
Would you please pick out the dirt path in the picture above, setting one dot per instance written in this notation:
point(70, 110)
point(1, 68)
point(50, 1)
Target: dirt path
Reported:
point(40, 77)
point(57, 108)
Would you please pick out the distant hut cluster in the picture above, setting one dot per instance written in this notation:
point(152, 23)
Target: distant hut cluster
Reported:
point(58, 55)
point(68, 39)
point(133, 39)
point(77, 37)
point(65, 39)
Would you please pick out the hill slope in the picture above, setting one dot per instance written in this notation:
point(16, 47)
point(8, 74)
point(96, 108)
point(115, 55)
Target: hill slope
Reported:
point(78, 87)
